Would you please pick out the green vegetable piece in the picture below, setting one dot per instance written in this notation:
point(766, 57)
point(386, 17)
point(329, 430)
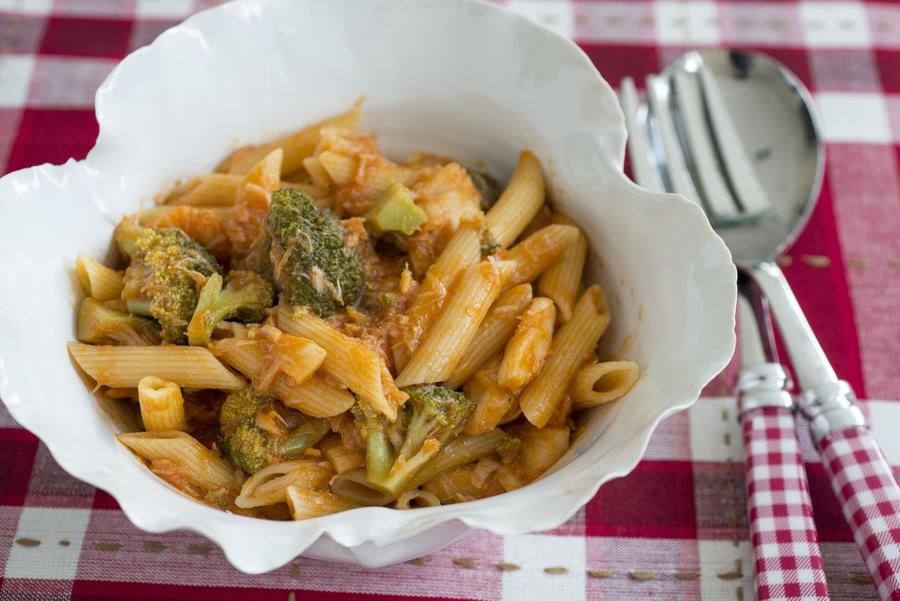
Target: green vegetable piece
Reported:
point(433, 416)
point(245, 297)
point(305, 436)
point(246, 444)
point(395, 211)
point(486, 185)
point(313, 267)
point(98, 323)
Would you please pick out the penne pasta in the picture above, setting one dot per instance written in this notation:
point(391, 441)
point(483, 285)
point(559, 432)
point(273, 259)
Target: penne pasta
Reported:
point(340, 167)
point(416, 498)
point(353, 486)
point(269, 485)
point(492, 401)
point(340, 457)
point(304, 504)
point(97, 280)
point(199, 465)
point(162, 406)
point(454, 329)
point(562, 279)
point(495, 331)
point(600, 383)
point(573, 344)
point(267, 172)
point(462, 451)
point(207, 190)
point(537, 252)
point(314, 397)
point(348, 360)
point(148, 217)
point(519, 203)
point(528, 347)
point(125, 366)
point(462, 251)
point(296, 146)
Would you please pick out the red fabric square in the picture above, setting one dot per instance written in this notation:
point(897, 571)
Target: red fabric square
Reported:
point(826, 509)
point(52, 136)
point(17, 450)
point(655, 501)
point(86, 37)
point(103, 500)
point(888, 62)
point(616, 62)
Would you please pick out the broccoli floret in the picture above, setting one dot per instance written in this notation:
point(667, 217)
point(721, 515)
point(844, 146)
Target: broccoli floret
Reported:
point(395, 211)
point(312, 265)
point(99, 323)
point(245, 297)
point(166, 270)
point(305, 436)
point(433, 416)
point(246, 443)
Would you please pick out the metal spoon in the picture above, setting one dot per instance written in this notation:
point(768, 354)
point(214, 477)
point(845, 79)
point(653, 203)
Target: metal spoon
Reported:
point(741, 131)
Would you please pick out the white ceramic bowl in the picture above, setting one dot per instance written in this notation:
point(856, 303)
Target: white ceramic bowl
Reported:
point(461, 78)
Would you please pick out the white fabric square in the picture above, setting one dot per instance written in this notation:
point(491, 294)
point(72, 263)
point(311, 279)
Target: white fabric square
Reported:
point(687, 23)
point(534, 553)
point(853, 472)
point(766, 524)
point(854, 117)
point(558, 15)
point(60, 532)
point(164, 8)
point(835, 24)
point(718, 557)
point(27, 7)
point(714, 438)
point(884, 417)
point(15, 79)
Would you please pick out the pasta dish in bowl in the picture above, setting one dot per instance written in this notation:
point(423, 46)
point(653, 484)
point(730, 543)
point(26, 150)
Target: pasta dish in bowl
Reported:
point(375, 343)
point(391, 329)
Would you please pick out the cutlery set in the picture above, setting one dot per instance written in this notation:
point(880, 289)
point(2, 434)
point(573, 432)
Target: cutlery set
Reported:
point(737, 134)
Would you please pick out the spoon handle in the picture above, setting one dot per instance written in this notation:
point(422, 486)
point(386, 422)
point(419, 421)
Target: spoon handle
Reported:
point(860, 476)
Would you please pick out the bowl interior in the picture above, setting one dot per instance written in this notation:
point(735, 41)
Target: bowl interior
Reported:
point(176, 108)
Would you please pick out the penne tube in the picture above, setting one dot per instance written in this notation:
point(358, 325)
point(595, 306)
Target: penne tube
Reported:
point(413, 499)
point(492, 401)
point(148, 217)
point(562, 279)
point(97, 280)
point(200, 465)
point(125, 366)
point(317, 172)
point(600, 383)
point(519, 203)
point(267, 172)
point(462, 251)
point(305, 504)
point(162, 406)
point(340, 457)
point(461, 451)
point(314, 397)
point(348, 360)
point(538, 251)
point(455, 327)
point(269, 485)
point(528, 347)
point(296, 146)
point(572, 346)
point(353, 485)
point(495, 331)
point(340, 167)
point(207, 190)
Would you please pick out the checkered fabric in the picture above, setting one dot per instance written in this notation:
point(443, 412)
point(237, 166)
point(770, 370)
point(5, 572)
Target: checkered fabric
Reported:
point(787, 560)
point(676, 527)
point(862, 479)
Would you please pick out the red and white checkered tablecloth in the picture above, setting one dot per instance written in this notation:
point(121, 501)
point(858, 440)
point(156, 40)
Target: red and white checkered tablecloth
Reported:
point(676, 528)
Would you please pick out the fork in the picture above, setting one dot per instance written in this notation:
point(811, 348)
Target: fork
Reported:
point(694, 149)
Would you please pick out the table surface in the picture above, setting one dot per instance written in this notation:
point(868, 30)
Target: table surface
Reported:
point(676, 527)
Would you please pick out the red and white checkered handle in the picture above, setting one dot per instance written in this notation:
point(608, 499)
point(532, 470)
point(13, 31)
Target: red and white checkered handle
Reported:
point(870, 499)
point(786, 553)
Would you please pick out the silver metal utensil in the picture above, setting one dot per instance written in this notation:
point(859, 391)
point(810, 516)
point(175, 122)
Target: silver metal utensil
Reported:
point(739, 129)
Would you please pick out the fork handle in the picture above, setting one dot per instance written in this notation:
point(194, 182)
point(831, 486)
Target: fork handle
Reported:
point(860, 476)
